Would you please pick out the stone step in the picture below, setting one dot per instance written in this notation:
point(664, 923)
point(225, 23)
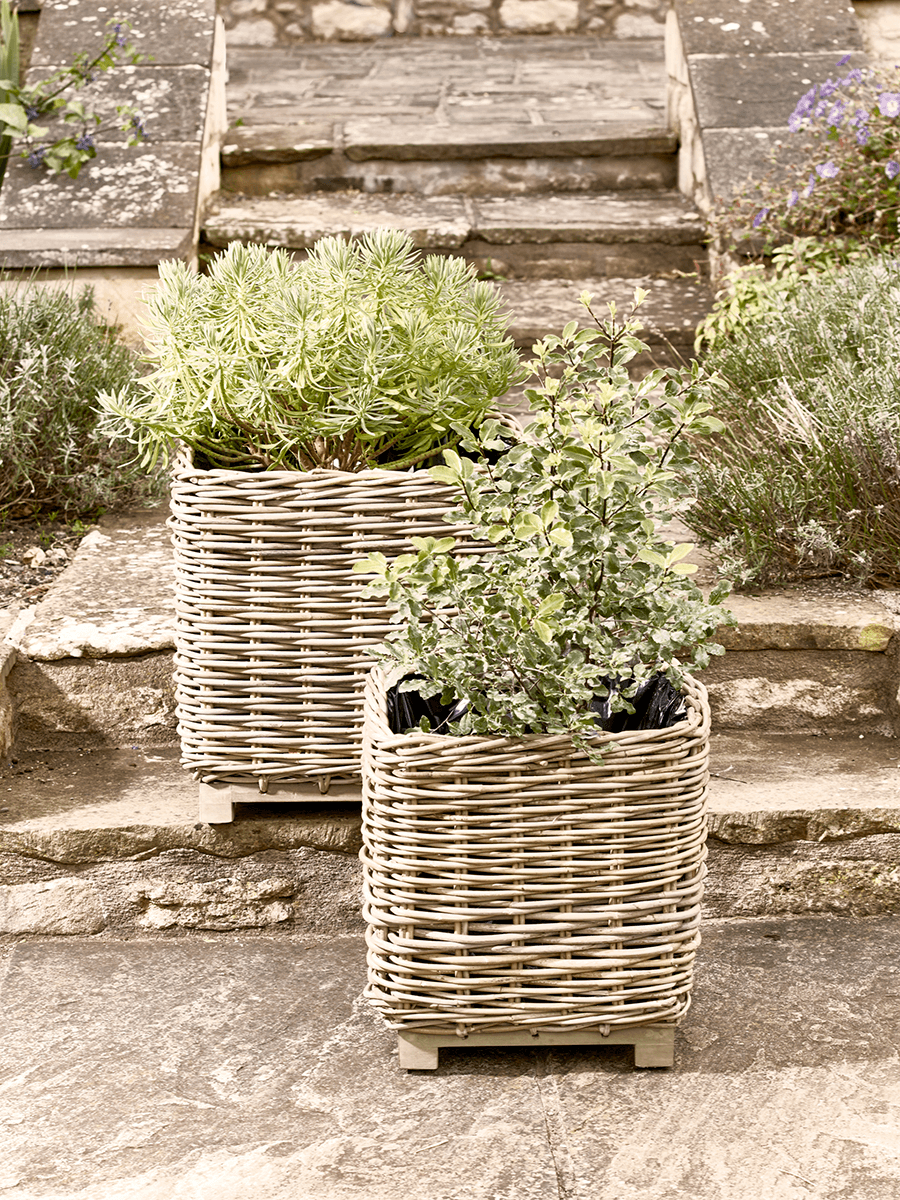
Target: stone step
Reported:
point(439, 116)
point(92, 662)
point(109, 840)
point(614, 234)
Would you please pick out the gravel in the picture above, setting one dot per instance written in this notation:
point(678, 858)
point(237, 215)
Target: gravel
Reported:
point(32, 555)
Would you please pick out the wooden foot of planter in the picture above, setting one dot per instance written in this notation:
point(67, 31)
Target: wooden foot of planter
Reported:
point(654, 1045)
point(217, 800)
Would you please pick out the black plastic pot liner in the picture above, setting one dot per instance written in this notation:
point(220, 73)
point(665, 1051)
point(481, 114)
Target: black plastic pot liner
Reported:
point(656, 704)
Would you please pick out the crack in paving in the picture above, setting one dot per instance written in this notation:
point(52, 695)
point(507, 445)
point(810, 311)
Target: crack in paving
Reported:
point(555, 1125)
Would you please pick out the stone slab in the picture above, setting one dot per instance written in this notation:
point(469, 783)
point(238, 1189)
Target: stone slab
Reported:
point(89, 806)
point(171, 100)
point(734, 156)
point(767, 26)
point(138, 247)
point(447, 222)
point(154, 184)
point(380, 139)
point(277, 143)
point(611, 218)
point(297, 222)
point(219, 1068)
point(115, 599)
point(797, 824)
point(809, 619)
point(776, 788)
point(856, 877)
point(558, 73)
point(803, 691)
point(83, 703)
point(672, 310)
point(501, 175)
point(167, 31)
point(555, 260)
point(764, 789)
point(755, 92)
point(60, 907)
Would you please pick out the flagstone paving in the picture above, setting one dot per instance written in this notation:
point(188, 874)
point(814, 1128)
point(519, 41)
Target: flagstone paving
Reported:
point(231, 1068)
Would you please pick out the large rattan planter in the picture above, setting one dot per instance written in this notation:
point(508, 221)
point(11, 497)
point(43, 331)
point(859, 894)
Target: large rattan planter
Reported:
point(273, 632)
point(518, 893)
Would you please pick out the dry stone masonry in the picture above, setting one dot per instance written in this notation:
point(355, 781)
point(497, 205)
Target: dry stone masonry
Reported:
point(284, 22)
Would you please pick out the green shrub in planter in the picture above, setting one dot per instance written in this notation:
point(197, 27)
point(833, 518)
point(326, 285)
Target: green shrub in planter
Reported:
point(362, 356)
point(582, 587)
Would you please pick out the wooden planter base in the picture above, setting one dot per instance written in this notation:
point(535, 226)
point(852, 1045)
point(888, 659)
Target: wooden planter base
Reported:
point(654, 1045)
point(217, 800)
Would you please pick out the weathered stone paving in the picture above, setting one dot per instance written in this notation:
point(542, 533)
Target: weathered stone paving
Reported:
point(225, 1068)
point(423, 115)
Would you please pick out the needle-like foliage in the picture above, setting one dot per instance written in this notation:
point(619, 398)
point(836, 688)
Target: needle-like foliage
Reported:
point(361, 356)
point(55, 357)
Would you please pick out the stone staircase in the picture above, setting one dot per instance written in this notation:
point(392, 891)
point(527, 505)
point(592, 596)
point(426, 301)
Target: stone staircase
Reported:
point(99, 826)
point(547, 163)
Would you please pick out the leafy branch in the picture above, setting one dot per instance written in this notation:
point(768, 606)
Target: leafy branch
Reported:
point(22, 108)
point(582, 597)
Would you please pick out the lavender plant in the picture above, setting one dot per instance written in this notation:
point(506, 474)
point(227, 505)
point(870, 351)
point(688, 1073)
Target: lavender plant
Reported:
point(70, 139)
point(802, 481)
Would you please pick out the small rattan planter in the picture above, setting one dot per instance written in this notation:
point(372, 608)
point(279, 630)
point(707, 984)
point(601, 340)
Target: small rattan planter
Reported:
point(273, 632)
point(518, 893)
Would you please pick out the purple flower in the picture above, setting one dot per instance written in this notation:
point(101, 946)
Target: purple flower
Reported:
point(85, 142)
point(892, 169)
point(31, 112)
point(852, 77)
point(119, 31)
point(36, 157)
point(843, 60)
point(793, 197)
point(808, 190)
point(827, 170)
point(137, 125)
point(837, 113)
point(862, 137)
point(889, 104)
point(760, 217)
point(801, 109)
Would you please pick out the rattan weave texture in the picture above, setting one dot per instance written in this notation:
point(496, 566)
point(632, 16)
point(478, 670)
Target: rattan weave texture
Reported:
point(273, 633)
point(520, 884)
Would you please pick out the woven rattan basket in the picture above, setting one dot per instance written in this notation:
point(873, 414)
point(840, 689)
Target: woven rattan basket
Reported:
point(519, 885)
point(273, 633)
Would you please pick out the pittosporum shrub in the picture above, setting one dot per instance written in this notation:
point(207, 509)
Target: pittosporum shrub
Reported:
point(581, 590)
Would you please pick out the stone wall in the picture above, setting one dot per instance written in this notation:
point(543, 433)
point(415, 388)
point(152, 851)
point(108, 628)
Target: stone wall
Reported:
point(284, 22)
